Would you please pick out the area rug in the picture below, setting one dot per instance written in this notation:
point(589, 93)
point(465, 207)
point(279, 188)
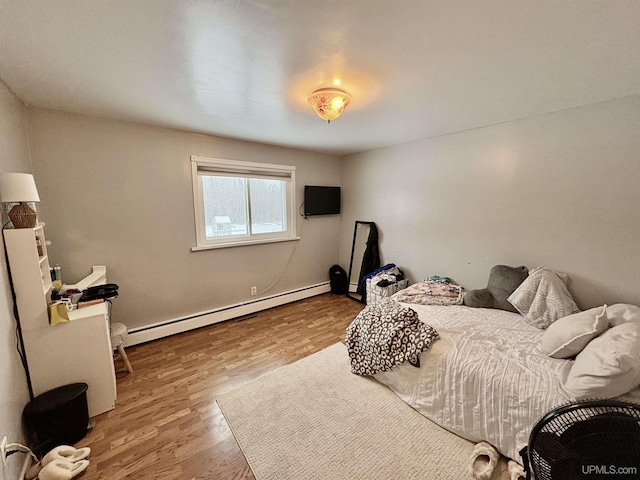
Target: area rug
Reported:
point(314, 419)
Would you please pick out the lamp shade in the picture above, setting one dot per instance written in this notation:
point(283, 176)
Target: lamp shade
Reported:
point(329, 103)
point(18, 187)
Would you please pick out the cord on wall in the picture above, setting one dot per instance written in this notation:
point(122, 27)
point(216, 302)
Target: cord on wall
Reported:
point(3, 454)
point(9, 449)
point(290, 256)
point(16, 316)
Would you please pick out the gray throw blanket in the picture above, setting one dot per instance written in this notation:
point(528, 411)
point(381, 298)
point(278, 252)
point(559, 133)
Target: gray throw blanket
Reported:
point(386, 334)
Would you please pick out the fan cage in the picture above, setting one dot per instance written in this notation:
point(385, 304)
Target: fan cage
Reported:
point(546, 447)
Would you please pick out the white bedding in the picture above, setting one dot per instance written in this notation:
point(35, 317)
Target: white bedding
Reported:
point(485, 378)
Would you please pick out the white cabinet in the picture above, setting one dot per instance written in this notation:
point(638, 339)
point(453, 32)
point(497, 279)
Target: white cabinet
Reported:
point(75, 351)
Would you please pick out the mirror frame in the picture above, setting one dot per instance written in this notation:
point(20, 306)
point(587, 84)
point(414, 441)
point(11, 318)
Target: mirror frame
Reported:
point(357, 298)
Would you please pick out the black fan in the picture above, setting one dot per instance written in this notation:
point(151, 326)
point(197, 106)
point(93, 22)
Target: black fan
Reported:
point(586, 440)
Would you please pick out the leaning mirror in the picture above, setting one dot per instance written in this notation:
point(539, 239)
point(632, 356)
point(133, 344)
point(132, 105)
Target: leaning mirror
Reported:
point(364, 255)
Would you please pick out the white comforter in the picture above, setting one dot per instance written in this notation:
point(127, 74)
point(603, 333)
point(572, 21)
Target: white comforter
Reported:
point(485, 379)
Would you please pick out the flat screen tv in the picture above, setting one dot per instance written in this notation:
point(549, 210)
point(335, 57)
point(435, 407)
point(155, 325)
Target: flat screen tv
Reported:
point(321, 200)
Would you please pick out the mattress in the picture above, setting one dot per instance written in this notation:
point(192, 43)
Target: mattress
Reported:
point(485, 378)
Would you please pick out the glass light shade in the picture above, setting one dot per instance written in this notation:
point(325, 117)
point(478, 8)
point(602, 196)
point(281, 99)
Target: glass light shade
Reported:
point(18, 187)
point(329, 103)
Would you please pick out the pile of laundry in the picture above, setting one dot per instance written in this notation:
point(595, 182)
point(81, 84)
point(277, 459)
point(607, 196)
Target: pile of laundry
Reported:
point(384, 282)
point(434, 290)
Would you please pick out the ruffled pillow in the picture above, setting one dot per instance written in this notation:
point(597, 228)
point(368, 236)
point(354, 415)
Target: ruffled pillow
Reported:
point(567, 336)
point(622, 313)
point(608, 366)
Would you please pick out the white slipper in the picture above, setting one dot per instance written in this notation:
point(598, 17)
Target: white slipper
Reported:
point(62, 469)
point(65, 452)
point(484, 459)
point(33, 471)
point(516, 471)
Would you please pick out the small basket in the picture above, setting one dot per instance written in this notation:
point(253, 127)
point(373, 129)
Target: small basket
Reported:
point(23, 216)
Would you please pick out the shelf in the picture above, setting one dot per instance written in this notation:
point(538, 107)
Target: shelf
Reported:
point(79, 351)
point(30, 270)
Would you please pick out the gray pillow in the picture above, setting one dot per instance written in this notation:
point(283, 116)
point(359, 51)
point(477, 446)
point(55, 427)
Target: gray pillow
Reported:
point(503, 280)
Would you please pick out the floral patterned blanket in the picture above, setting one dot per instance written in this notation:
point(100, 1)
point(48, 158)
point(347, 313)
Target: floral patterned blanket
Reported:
point(386, 334)
point(432, 291)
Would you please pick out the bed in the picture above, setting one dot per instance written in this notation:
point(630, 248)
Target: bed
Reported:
point(485, 378)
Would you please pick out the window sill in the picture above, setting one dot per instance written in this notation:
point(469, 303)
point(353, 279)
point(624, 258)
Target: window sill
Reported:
point(242, 244)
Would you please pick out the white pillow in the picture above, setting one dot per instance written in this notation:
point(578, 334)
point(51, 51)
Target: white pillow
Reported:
point(543, 298)
point(567, 336)
point(608, 366)
point(622, 313)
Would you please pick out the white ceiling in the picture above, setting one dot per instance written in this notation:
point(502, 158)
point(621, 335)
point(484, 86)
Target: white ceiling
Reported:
point(243, 68)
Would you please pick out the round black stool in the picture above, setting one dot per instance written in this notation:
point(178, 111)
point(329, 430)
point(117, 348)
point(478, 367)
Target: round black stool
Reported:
point(59, 416)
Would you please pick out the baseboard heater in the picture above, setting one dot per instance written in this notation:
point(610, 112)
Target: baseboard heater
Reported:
point(203, 319)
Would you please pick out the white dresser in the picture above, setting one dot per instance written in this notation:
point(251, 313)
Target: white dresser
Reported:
point(75, 351)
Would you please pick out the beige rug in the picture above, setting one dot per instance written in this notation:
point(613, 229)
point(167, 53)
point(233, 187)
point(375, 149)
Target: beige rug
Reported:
point(314, 419)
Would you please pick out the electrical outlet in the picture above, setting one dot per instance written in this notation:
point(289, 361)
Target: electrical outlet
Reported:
point(254, 290)
point(3, 451)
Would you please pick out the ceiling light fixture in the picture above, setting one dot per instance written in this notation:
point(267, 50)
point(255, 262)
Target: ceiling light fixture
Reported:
point(329, 103)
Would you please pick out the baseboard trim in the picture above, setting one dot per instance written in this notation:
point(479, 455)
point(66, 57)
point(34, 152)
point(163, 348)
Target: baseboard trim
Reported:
point(203, 319)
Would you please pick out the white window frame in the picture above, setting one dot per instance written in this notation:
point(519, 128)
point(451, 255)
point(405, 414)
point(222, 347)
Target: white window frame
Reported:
point(203, 165)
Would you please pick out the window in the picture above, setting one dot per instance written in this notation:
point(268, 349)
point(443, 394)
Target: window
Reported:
point(241, 203)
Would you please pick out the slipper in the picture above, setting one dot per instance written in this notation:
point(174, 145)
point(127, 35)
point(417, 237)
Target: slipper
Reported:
point(516, 471)
point(62, 469)
point(33, 471)
point(484, 459)
point(65, 452)
point(61, 452)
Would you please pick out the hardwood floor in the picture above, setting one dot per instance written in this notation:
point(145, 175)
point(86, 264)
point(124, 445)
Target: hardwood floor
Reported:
point(167, 425)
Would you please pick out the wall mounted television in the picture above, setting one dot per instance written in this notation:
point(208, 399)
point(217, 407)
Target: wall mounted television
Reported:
point(321, 200)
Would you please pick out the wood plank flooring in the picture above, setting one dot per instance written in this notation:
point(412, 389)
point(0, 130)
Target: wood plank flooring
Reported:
point(167, 425)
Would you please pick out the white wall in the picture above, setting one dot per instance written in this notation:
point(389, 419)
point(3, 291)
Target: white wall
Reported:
point(119, 194)
point(560, 190)
point(14, 157)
